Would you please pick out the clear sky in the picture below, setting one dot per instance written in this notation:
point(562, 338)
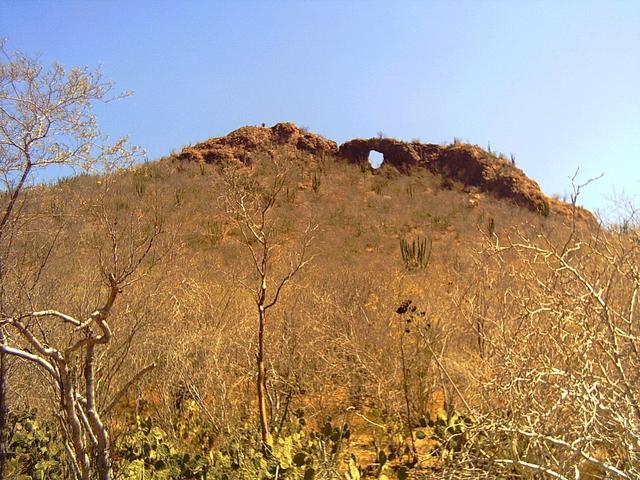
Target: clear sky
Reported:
point(557, 83)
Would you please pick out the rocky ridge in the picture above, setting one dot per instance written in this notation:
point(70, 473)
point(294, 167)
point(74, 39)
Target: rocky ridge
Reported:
point(240, 144)
point(468, 164)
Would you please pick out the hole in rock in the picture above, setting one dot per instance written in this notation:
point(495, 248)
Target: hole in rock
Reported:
point(375, 159)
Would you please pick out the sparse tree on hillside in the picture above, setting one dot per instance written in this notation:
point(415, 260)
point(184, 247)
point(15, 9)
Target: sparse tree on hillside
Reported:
point(45, 120)
point(251, 206)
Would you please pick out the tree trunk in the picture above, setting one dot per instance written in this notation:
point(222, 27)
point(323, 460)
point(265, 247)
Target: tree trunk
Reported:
point(267, 439)
point(72, 422)
point(101, 452)
point(103, 464)
point(3, 406)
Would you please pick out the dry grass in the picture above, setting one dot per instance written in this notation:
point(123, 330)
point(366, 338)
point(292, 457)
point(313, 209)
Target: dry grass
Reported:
point(333, 338)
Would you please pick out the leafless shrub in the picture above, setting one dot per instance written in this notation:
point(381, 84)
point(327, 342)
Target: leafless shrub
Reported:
point(559, 371)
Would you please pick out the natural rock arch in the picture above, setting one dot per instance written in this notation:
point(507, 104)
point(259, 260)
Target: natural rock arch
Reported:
point(402, 155)
point(468, 164)
point(375, 159)
point(394, 153)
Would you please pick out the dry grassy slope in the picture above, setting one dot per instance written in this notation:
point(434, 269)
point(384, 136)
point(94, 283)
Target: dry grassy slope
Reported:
point(334, 333)
point(361, 213)
point(357, 277)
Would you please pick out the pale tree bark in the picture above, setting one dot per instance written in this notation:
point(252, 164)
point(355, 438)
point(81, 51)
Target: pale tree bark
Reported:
point(3, 405)
point(46, 119)
point(85, 434)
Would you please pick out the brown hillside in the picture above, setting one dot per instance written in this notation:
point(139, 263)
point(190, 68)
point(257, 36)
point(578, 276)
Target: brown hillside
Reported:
point(338, 345)
point(468, 164)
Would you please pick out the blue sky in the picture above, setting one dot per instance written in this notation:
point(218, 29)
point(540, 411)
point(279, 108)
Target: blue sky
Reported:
point(556, 83)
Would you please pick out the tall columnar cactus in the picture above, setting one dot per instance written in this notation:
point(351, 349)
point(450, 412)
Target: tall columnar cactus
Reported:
point(416, 254)
point(315, 182)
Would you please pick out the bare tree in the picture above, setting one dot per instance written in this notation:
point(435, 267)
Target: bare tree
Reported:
point(251, 206)
point(86, 437)
point(560, 377)
point(45, 120)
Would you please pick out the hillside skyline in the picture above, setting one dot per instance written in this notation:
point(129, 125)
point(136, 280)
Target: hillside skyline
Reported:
point(556, 85)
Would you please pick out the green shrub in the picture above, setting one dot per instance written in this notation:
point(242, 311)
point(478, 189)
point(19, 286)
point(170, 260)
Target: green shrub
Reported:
point(146, 452)
point(34, 450)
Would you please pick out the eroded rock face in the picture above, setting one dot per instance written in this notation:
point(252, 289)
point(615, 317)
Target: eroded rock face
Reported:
point(401, 155)
point(474, 166)
point(241, 143)
point(468, 164)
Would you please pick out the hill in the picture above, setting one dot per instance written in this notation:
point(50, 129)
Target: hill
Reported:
point(438, 316)
point(468, 164)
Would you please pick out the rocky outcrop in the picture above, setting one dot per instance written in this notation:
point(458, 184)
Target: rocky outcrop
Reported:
point(402, 155)
point(472, 165)
point(468, 164)
point(242, 143)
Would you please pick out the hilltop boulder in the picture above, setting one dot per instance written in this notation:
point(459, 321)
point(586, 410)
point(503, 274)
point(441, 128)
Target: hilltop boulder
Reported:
point(474, 166)
point(240, 144)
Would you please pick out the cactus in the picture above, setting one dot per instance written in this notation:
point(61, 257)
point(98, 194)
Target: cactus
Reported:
point(179, 197)
point(403, 473)
point(291, 194)
point(352, 473)
point(315, 182)
point(417, 253)
point(450, 429)
point(410, 190)
point(213, 231)
point(139, 183)
point(491, 226)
